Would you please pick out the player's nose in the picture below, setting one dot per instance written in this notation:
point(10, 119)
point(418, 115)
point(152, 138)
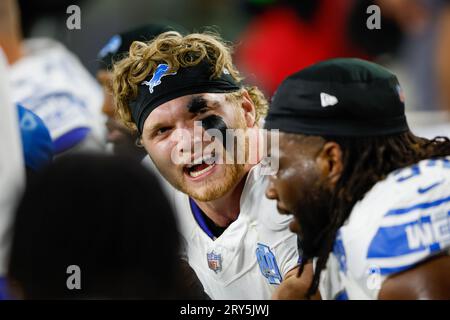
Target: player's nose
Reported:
point(271, 192)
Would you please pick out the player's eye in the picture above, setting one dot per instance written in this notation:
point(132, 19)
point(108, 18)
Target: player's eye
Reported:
point(162, 130)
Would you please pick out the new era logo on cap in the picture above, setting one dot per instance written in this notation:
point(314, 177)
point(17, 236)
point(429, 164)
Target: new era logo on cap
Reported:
point(327, 99)
point(400, 92)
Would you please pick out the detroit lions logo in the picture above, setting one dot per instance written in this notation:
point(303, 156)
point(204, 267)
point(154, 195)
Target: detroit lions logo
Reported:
point(111, 47)
point(160, 72)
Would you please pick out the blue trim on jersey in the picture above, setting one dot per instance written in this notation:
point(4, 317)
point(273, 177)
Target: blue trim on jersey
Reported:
point(415, 232)
point(424, 205)
point(446, 163)
point(428, 188)
point(341, 295)
point(431, 163)
point(429, 233)
point(415, 171)
point(70, 139)
point(339, 252)
point(197, 212)
point(435, 247)
point(393, 241)
point(37, 144)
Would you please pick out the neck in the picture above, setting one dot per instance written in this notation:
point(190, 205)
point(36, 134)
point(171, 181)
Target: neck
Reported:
point(225, 210)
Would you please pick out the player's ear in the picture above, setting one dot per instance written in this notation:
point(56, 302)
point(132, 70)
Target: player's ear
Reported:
point(139, 142)
point(249, 109)
point(329, 161)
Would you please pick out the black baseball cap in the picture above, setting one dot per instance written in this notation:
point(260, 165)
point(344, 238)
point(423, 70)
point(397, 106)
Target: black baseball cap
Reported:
point(339, 97)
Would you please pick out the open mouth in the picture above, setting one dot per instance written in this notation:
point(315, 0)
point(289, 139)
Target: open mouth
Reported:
point(201, 169)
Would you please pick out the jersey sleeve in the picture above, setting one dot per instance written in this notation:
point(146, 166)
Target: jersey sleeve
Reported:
point(417, 224)
point(62, 93)
point(12, 175)
point(275, 231)
point(36, 141)
point(288, 254)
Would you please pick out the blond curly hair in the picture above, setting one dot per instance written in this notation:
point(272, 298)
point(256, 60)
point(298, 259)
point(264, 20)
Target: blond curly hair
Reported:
point(177, 51)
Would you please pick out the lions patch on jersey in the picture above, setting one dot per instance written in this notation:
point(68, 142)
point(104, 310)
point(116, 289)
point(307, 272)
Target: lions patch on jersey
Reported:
point(268, 264)
point(402, 221)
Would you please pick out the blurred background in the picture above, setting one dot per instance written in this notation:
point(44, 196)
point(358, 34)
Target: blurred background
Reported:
point(275, 38)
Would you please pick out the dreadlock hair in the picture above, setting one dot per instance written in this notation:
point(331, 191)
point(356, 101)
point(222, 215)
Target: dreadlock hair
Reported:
point(366, 161)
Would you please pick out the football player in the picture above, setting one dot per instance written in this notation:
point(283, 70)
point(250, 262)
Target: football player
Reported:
point(50, 81)
point(234, 238)
point(96, 247)
point(12, 165)
point(121, 139)
point(371, 200)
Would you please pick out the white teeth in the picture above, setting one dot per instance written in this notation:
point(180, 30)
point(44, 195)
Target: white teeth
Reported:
point(195, 174)
point(207, 160)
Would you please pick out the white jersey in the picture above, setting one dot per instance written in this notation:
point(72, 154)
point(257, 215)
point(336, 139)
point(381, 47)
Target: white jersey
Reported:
point(252, 255)
point(401, 221)
point(12, 166)
point(51, 81)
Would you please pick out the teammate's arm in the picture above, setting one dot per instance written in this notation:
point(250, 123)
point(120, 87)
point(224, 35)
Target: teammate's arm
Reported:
point(295, 288)
point(429, 280)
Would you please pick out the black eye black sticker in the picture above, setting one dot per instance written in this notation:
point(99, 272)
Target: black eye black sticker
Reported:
point(197, 104)
point(216, 122)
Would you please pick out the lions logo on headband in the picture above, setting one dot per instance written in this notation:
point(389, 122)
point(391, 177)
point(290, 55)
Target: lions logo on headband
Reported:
point(160, 72)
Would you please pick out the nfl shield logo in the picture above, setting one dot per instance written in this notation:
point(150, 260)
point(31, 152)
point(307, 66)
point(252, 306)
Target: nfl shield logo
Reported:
point(214, 261)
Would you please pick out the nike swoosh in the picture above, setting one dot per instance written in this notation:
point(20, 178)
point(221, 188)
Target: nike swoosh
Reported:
point(426, 189)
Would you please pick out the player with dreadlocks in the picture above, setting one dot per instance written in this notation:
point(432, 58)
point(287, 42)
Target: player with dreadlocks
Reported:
point(371, 200)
